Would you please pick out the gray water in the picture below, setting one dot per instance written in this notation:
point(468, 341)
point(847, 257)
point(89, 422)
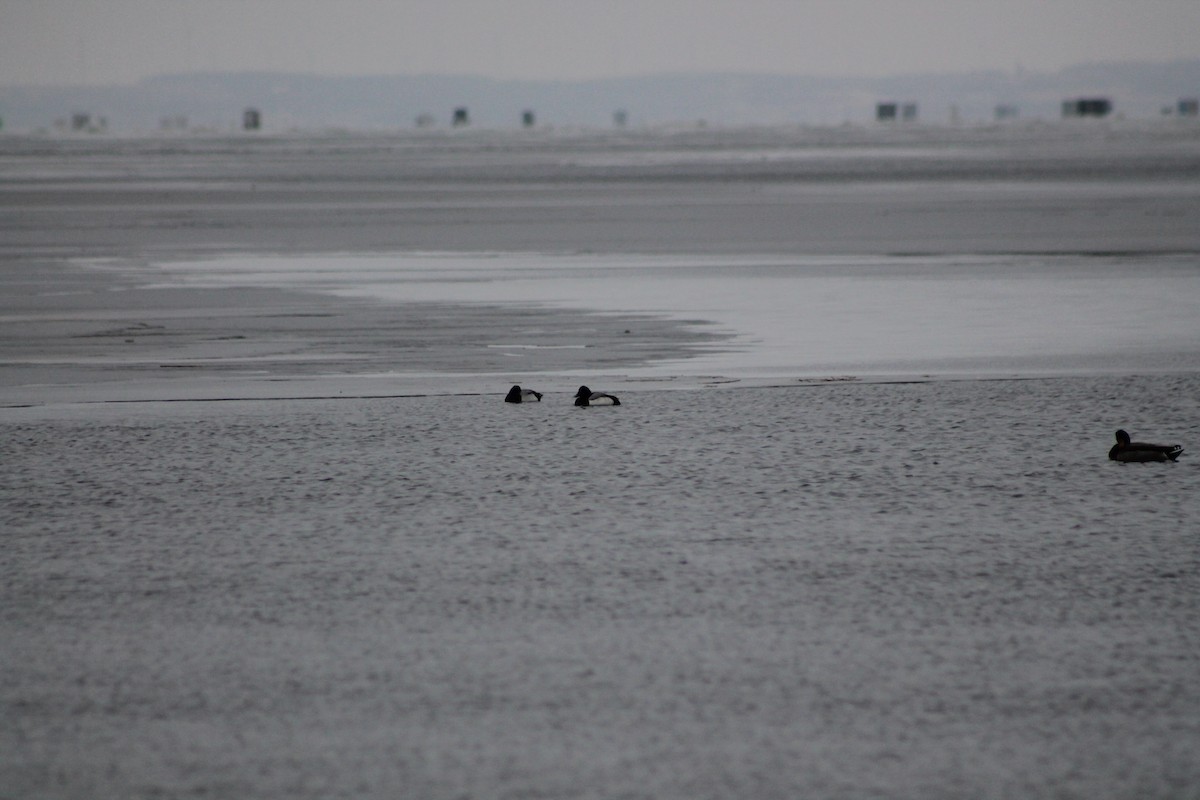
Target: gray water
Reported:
point(269, 530)
point(854, 590)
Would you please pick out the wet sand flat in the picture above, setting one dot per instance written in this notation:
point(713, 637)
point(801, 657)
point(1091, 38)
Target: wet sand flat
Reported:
point(70, 334)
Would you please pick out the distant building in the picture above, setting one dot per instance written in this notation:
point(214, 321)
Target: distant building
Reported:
point(424, 121)
point(620, 118)
point(251, 119)
point(889, 111)
point(82, 122)
point(1087, 107)
point(528, 119)
point(1189, 107)
point(461, 117)
point(1004, 112)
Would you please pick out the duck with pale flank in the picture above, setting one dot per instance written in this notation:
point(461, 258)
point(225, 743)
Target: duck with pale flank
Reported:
point(586, 397)
point(1125, 450)
point(518, 395)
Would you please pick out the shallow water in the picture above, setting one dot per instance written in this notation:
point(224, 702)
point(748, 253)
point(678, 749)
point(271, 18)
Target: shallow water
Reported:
point(918, 590)
point(795, 315)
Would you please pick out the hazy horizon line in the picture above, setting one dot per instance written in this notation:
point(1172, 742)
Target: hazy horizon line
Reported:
point(1016, 72)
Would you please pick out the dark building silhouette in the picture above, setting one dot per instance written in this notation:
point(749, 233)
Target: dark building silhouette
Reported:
point(885, 112)
point(461, 117)
point(1087, 107)
point(82, 122)
point(1189, 107)
point(251, 119)
point(528, 119)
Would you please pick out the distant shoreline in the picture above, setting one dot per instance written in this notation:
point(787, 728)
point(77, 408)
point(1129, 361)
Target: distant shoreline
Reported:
point(291, 100)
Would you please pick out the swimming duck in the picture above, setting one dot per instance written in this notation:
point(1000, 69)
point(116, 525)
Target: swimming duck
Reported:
point(1125, 450)
point(586, 397)
point(518, 395)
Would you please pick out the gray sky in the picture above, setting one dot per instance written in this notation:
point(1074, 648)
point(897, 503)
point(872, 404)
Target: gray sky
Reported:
point(107, 41)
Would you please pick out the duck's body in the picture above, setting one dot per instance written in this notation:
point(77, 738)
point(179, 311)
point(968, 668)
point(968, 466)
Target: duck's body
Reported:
point(586, 397)
point(518, 395)
point(1125, 450)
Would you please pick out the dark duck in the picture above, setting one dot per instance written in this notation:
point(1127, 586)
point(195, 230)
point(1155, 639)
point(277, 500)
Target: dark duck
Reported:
point(586, 397)
point(1125, 450)
point(518, 395)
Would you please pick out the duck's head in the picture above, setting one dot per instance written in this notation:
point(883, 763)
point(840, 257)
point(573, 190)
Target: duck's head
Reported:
point(514, 394)
point(1122, 437)
point(584, 392)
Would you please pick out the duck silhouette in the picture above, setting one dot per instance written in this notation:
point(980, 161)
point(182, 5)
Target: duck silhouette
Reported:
point(1125, 450)
point(586, 397)
point(518, 395)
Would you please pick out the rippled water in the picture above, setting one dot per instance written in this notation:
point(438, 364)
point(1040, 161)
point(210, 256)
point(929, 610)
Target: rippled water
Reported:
point(839, 589)
point(820, 589)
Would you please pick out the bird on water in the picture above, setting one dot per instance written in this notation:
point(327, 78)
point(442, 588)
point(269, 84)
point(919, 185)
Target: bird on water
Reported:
point(1125, 450)
point(586, 397)
point(518, 395)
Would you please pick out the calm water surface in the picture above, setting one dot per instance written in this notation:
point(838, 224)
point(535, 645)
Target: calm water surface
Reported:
point(803, 315)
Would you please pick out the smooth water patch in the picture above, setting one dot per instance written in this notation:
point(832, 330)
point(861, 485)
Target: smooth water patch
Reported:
point(799, 315)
